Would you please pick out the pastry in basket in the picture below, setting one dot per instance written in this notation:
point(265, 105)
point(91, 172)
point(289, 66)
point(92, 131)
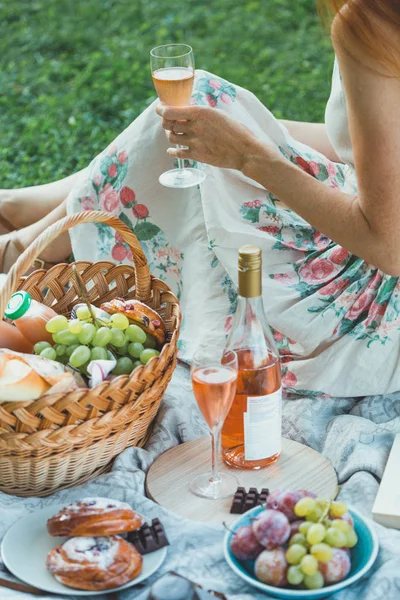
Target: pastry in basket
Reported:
point(139, 313)
point(88, 563)
point(94, 516)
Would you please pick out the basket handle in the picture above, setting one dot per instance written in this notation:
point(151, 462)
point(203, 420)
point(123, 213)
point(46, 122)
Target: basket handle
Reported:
point(142, 273)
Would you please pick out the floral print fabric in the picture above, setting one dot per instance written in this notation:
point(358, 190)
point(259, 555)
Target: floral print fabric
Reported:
point(336, 319)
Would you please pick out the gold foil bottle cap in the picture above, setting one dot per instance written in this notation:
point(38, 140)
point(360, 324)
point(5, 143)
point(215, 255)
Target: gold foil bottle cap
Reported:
point(250, 263)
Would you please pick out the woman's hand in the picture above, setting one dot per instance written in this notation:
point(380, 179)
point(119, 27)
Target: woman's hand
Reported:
point(211, 136)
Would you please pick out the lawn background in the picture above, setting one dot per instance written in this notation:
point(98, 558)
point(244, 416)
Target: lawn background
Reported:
point(73, 73)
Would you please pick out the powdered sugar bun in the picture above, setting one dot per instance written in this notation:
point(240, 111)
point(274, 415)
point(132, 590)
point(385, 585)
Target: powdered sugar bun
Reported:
point(89, 563)
point(94, 517)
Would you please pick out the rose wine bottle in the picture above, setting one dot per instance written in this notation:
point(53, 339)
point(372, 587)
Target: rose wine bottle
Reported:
point(251, 434)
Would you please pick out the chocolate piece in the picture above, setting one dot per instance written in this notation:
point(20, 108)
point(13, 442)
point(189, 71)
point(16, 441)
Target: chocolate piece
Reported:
point(149, 538)
point(244, 501)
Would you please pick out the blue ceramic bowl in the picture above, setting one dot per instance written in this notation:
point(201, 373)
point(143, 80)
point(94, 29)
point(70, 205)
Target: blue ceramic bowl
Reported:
point(363, 556)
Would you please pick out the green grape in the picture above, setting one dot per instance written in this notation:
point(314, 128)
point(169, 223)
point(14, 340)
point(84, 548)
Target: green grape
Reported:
point(322, 504)
point(98, 353)
point(57, 324)
point(39, 346)
point(83, 368)
point(337, 509)
point(62, 359)
point(314, 581)
point(123, 350)
point(135, 334)
point(75, 326)
point(117, 337)
point(135, 349)
point(110, 355)
point(298, 538)
point(49, 353)
point(336, 538)
point(295, 553)
point(316, 533)
point(309, 565)
point(341, 525)
point(124, 366)
point(305, 506)
point(351, 538)
point(315, 515)
point(304, 527)
point(295, 575)
point(87, 333)
point(79, 357)
point(322, 552)
point(83, 313)
point(120, 321)
point(70, 349)
point(137, 364)
point(147, 355)
point(65, 337)
point(60, 349)
point(102, 337)
point(150, 342)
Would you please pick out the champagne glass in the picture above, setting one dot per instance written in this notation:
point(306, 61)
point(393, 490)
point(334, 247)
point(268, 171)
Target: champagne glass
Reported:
point(214, 385)
point(172, 68)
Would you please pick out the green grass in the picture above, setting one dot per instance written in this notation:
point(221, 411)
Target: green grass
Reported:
point(74, 74)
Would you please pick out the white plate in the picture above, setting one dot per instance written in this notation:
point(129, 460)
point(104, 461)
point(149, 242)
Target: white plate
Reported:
point(25, 547)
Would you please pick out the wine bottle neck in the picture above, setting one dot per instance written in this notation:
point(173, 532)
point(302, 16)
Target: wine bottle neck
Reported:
point(250, 282)
point(250, 309)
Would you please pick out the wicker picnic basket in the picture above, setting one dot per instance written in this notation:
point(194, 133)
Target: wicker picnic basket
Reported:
point(62, 440)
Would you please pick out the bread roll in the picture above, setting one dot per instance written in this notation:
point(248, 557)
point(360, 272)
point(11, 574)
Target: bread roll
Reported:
point(18, 381)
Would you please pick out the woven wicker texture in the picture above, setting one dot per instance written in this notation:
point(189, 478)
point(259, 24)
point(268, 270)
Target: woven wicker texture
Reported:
point(61, 439)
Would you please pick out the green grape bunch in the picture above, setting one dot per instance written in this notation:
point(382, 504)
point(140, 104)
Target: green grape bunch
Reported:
point(86, 338)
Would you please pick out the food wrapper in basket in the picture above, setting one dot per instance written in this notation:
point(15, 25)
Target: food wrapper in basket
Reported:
point(99, 371)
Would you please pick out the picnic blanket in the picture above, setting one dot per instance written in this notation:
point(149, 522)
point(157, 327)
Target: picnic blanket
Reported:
point(354, 434)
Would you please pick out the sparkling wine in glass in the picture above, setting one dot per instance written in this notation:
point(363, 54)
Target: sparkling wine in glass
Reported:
point(172, 68)
point(214, 386)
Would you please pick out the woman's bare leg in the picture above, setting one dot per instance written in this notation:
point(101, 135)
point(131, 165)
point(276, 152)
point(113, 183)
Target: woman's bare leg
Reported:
point(24, 206)
point(57, 251)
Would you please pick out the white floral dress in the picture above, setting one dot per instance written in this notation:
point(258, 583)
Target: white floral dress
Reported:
point(335, 318)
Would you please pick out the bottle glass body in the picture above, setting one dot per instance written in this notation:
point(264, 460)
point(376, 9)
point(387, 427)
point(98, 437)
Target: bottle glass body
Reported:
point(30, 317)
point(251, 434)
point(12, 339)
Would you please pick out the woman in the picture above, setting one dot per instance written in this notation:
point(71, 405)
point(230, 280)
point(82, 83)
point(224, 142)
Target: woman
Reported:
point(332, 297)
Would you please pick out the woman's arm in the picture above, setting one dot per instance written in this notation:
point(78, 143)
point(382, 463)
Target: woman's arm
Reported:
point(367, 225)
point(313, 135)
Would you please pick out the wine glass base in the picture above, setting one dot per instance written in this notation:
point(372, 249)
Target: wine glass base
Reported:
point(224, 487)
point(182, 178)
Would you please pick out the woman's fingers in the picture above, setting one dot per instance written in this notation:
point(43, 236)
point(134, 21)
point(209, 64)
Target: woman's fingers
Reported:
point(177, 126)
point(180, 152)
point(178, 138)
point(178, 113)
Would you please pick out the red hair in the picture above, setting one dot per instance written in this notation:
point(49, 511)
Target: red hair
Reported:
point(373, 25)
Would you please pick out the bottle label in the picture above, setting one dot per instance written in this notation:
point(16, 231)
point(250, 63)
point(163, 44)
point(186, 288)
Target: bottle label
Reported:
point(263, 426)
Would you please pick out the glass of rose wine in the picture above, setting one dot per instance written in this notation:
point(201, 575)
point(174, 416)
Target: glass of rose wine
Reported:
point(172, 69)
point(214, 385)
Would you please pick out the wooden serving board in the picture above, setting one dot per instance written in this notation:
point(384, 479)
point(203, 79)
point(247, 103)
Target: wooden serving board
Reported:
point(168, 479)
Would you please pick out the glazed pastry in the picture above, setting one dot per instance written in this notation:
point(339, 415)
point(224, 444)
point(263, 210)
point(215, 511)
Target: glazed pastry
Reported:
point(139, 313)
point(94, 516)
point(88, 563)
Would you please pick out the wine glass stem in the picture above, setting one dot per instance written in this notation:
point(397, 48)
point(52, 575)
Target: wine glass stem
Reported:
point(181, 162)
point(215, 434)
